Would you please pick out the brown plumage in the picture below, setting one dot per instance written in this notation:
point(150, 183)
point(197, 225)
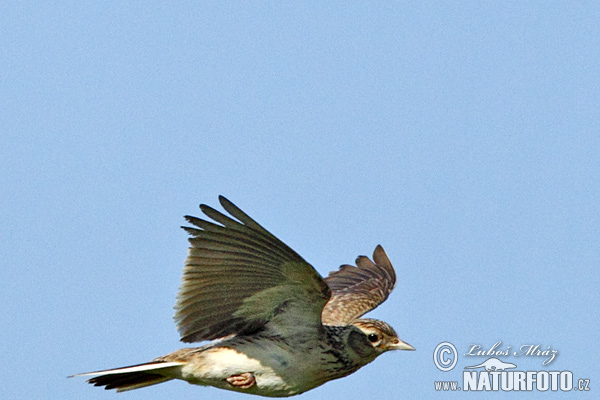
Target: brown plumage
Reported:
point(282, 328)
point(357, 290)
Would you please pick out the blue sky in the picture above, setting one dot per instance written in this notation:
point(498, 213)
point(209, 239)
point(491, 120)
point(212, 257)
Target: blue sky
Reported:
point(464, 138)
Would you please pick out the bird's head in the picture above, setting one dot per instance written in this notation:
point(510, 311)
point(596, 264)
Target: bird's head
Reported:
point(380, 335)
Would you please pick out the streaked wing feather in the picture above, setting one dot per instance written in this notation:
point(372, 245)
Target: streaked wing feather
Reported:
point(238, 278)
point(358, 290)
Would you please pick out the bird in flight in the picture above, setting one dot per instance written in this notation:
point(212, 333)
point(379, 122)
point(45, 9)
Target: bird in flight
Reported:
point(276, 327)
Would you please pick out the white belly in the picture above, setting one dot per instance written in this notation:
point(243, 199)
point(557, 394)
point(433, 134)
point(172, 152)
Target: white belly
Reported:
point(273, 375)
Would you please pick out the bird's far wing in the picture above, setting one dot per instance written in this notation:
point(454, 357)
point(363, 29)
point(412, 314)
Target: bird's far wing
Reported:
point(238, 278)
point(357, 290)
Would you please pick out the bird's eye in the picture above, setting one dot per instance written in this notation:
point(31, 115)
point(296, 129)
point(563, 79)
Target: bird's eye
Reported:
point(372, 337)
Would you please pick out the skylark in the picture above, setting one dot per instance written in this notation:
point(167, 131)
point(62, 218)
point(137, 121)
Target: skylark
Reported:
point(277, 327)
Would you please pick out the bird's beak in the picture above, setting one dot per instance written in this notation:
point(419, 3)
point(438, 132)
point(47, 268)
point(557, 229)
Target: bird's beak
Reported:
point(400, 345)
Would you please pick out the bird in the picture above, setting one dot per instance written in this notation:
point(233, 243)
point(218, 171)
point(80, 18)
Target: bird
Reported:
point(273, 326)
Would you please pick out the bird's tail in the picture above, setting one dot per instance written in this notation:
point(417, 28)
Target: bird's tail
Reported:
point(135, 376)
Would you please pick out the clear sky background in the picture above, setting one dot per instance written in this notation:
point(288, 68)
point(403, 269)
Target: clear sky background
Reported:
point(464, 138)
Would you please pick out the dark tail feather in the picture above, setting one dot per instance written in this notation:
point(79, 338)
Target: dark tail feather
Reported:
point(128, 381)
point(136, 376)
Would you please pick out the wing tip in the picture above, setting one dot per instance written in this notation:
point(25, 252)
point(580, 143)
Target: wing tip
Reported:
point(223, 199)
point(383, 261)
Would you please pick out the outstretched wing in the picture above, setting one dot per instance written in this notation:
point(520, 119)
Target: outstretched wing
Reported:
point(238, 278)
point(357, 290)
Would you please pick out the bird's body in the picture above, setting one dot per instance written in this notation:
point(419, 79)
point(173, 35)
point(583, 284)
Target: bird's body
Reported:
point(279, 329)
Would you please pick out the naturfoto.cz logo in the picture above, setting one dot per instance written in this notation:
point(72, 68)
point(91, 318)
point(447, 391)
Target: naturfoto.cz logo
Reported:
point(495, 374)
